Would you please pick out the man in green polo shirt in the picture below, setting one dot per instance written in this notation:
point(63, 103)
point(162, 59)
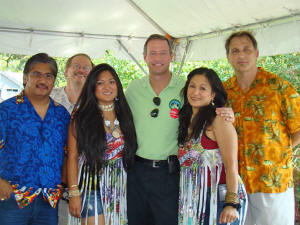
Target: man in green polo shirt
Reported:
point(154, 101)
point(156, 123)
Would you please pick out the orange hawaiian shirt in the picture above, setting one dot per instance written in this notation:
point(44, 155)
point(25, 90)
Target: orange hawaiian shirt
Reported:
point(265, 117)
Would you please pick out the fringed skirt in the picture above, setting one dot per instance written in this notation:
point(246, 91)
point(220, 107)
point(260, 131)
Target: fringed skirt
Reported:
point(193, 195)
point(111, 184)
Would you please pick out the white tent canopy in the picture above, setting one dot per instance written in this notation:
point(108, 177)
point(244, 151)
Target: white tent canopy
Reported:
point(200, 27)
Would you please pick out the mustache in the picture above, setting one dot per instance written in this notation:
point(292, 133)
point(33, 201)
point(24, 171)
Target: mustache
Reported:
point(42, 85)
point(80, 73)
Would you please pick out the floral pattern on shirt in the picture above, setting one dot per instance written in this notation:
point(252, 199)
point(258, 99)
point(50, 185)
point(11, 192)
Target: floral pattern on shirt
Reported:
point(265, 117)
point(31, 148)
point(59, 95)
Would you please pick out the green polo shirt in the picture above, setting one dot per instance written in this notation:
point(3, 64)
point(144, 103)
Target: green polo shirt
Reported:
point(157, 137)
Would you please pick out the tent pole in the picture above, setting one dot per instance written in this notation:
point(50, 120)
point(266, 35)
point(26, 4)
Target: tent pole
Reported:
point(131, 56)
point(174, 49)
point(67, 34)
point(146, 16)
point(252, 26)
point(186, 50)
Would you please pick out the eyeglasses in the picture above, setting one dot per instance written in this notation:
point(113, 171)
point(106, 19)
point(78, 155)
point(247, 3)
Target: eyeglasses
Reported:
point(76, 66)
point(154, 112)
point(39, 75)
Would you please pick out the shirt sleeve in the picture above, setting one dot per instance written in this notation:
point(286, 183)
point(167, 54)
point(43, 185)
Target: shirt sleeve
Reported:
point(290, 107)
point(3, 125)
point(3, 121)
point(128, 90)
point(129, 93)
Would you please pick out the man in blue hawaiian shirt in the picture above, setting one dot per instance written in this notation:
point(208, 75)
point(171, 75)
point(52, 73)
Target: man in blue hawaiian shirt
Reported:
point(33, 134)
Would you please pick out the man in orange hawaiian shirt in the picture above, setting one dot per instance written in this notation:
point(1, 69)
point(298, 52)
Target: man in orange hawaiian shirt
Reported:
point(267, 110)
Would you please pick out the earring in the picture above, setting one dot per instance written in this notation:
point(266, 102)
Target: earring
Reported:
point(116, 99)
point(212, 103)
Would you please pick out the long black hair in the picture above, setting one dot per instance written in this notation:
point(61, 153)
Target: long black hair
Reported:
point(206, 113)
point(87, 120)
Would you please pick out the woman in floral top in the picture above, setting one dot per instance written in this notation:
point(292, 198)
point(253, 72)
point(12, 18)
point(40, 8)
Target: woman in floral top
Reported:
point(211, 191)
point(101, 147)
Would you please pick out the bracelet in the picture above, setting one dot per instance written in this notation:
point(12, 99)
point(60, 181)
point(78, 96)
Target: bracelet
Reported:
point(74, 193)
point(234, 205)
point(73, 186)
point(231, 197)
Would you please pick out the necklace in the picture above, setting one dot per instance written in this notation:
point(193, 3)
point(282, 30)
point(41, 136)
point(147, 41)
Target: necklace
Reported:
point(113, 131)
point(107, 108)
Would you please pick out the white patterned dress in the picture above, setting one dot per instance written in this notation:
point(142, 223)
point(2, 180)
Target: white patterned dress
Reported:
point(110, 182)
point(199, 167)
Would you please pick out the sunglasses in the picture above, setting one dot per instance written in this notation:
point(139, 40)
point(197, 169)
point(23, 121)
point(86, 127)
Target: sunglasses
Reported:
point(154, 112)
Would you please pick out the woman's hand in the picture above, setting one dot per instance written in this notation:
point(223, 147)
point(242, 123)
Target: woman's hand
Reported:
point(228, 215)
point(75, 206)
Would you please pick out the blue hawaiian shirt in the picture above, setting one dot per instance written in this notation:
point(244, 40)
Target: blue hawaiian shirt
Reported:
point(32, 149)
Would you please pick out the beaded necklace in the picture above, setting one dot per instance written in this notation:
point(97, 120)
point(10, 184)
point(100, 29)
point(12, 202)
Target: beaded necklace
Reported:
point(107, 108)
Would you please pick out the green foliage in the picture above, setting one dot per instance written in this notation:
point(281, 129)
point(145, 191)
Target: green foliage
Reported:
point(12, 62)
point(60, 79)
point(286, 66)
point(127, 70)
point(221, 66)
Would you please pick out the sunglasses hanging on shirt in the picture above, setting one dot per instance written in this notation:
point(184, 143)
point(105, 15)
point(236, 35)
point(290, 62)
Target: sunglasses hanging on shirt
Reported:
point(154, 112)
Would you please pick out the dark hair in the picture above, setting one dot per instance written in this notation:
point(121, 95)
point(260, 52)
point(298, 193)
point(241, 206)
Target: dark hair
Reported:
point(240, 34)
point(156, 37)
point(206, 113)
point(87, 120)
point(40, 58)
point(69, 61)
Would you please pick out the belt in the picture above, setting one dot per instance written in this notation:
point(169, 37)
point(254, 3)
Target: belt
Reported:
point(152, 163)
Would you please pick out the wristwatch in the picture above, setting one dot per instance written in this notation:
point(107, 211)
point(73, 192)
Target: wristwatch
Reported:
point(234, 205)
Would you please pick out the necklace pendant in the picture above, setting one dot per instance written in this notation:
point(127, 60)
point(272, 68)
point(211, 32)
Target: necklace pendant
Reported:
point(115, 134)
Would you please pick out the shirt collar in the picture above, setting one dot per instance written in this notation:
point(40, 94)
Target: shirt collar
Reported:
point(172, 83)
point(233, 80)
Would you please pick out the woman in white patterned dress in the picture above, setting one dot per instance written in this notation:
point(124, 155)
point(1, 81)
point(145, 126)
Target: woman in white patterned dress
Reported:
point(211, 191)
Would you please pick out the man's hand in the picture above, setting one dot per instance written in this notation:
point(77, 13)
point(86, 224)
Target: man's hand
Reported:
point(227, 113)
point(5, 189)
